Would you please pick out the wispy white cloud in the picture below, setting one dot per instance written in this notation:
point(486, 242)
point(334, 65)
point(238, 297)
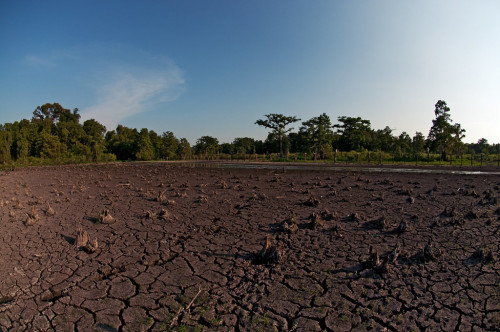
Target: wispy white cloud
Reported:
point(38, 61)
point(129, 92)
point(116, 81)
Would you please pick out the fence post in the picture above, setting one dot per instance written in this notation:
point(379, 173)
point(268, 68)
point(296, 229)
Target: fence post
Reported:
point(368, 157)
point(380, 157)
point(481, 159)
point(335, 157)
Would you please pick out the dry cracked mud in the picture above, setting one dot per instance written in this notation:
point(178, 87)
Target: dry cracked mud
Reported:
point(347, 250)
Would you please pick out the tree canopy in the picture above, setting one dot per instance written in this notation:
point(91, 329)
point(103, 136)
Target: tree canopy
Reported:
point(355, 133)
point(55, 133)
point(278, 124)
point(444, 135)
point(318, 134)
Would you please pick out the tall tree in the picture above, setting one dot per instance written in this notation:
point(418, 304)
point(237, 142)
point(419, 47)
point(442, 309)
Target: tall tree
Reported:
point(383, 139)
point(146, 150)
point(244, 145)
point(443, 135)
point(207, 145)
point(184, 150)
point(458, 135)
point(318, 134)
point(481, 146)
point(418, 143)
point(5, 143)
point(95, 138)
point(170, 145)
point(403, 143)
point(123, 142)
point(278, 124)
point(355, 133)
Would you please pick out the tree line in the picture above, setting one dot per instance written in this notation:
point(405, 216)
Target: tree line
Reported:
point(55, 133)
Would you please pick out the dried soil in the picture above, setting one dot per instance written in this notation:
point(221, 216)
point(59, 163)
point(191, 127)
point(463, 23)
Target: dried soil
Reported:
point(187, 249)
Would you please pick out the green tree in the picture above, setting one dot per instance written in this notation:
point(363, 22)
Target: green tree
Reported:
point(418, 143)
point(170, 145)
point(444, 135)
point(244, 145)
point(50, 146)
point(145, 147)
point(383, 139)
point(94, 139)
point(355, 133)
point(273, 143)
point(458, 135)
point(157, 143)
point(123, 142)
point(206, 145)
point(226, 148)
point(403, 143)
point(278, 124)
point(184, 150)
point(20, 147)
point(5, 143)
point(55, 112)
point(482, 146)
point(318, 135)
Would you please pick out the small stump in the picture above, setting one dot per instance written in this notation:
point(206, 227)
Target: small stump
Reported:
point(269, 254)
point(105, 217)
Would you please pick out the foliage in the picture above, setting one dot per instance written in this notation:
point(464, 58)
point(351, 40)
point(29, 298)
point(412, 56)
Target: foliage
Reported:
point(278, 124)
point(169, 146)
point(145, 147)
point(418, 143)
point(383, 140)
point(318, 135)
point(244, 145)
point(206, 145)
point(184, 150)
point(55, 135)
point(444, 136)
point(355, 133)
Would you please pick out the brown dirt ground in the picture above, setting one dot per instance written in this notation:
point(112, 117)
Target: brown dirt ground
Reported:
point(194, 268)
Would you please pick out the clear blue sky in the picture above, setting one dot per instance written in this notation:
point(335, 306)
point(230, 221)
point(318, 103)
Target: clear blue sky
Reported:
point(214, 67)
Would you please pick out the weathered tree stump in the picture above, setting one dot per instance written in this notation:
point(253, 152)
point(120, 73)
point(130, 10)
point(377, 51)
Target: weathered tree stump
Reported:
point(269, 254)
point(50, 211)
point(105, 217)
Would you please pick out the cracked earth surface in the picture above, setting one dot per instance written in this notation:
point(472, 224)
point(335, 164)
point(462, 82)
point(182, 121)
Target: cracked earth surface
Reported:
point(179, 254)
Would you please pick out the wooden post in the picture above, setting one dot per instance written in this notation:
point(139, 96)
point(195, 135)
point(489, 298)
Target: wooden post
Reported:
point(335, 157)
point(481, 159)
